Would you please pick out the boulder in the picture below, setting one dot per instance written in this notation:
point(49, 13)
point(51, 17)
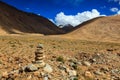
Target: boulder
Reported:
point(31, 68)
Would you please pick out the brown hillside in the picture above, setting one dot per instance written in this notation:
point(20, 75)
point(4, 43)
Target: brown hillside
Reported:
point(16, 21)
point(98, 29)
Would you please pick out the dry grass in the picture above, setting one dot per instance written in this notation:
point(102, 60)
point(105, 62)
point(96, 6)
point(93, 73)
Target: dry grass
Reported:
point(101, 29)
point(25, 44)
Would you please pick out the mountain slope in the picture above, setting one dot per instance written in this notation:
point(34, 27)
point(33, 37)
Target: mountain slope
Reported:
point(98, 29)
point(16, 21)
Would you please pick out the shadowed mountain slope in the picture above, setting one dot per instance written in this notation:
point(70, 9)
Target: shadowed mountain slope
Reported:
point(16, 21)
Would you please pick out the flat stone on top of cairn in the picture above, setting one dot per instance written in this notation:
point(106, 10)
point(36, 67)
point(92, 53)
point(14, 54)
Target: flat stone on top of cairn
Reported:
point(40, 46)
point(39, 56)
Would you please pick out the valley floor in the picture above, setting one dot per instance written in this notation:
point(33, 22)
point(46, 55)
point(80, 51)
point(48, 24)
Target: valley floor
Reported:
point(70, 59)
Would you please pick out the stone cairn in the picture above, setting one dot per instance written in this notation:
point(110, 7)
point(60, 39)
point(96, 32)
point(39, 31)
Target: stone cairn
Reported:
point(39, 56)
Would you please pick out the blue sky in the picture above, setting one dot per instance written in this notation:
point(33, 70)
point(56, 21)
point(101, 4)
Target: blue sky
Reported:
point(70, 9)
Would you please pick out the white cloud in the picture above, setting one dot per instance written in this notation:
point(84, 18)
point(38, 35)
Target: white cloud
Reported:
point(114, 9)
point(62, 19)
point(118, 12)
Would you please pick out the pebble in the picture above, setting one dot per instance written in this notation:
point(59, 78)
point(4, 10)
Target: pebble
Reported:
point(86, 63)
point(88, 74)
point(37, 73)
point(48, 68)
point(93, 60)
point(98, 73)
point(62, 67)
point(14, 71)
point(45, 78)
point(0, 76)
point(42, 74)
point(73, 78)
point(5, 74)
point(79, 63)
point(49, 76)
point(72, 73)
point(105, 69)
point(114, 71)
point(29, 77)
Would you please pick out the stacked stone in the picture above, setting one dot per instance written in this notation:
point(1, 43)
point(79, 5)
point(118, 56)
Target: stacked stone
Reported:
point(39, 56)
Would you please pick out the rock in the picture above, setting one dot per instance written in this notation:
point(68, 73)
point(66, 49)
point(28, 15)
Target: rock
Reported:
point(5, 74)
point(105, 69)
point(79, 63)
point(40, 64)
point(98, 73)
point(45, 78)
point(110, 49)
point(118, 54)
point(12, 74)
point(38, 58)
point(31, 68)
point(62, 67)
point(37, 73)
point(114, 71)
point(72, 73)
point(114, 77)
point(22, 69)
point(0, 76)
point(10, 77)
point(48, 68)
point(16, 75)
point(73, 65)
point(49, 76)
point(63, 72)
point(39, 52)
point(29, 77)
point(73, 78)
point(67, 70)
point(93, 60)
point(1, 66)
point(88, 74)
point(14, 71)
point(42, 74)
point(40, 46)
point(86, 63)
